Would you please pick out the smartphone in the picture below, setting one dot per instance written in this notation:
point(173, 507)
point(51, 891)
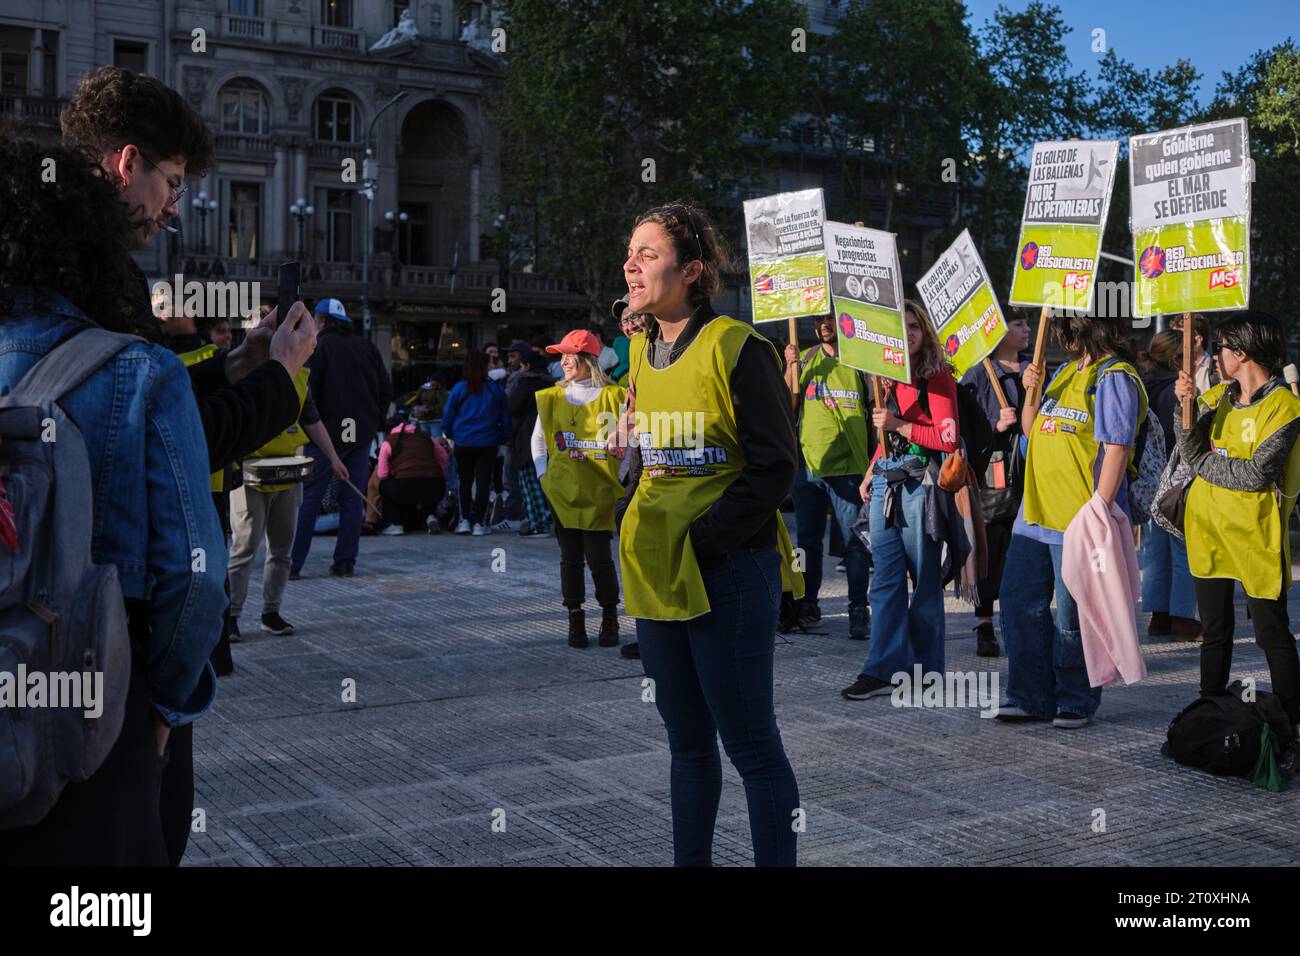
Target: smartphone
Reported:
point(288, 292)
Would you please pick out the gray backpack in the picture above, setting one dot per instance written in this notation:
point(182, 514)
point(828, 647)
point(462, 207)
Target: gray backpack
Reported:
point(62, 617)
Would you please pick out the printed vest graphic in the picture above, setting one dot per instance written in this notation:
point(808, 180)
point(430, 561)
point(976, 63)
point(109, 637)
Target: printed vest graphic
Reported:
point(289, 441)
point(833, 424)
point(1063, 448)
point(217, 480)
point(581, 480)
point(661, 578)
point(1243, 534)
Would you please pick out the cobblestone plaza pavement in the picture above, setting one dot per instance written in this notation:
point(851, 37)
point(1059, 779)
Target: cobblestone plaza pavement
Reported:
point(478, 737)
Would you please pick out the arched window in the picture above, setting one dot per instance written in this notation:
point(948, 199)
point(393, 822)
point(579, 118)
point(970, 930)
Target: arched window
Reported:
point(336, 118)
point(244, 108)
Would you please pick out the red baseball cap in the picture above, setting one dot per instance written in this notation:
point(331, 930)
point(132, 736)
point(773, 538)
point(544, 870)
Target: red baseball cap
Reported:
point(576, 342)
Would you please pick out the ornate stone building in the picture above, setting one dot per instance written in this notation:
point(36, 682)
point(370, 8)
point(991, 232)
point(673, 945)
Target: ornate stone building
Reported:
point(293, 90)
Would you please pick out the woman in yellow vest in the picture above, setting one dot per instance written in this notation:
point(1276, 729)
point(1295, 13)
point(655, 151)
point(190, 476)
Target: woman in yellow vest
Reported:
point(579, 474)
point(1081, 437)
point(1243, 450)
point(701, 542)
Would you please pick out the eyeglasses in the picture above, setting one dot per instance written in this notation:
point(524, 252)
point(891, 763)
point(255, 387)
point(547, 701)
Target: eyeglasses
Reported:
point(673, 211)
point(1217, 347)
point(177, 189)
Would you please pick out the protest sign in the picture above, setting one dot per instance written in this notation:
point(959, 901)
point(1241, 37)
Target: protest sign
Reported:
point(867, 299)
point(963, 309)
point(787, 260)
point(1066, 203)
point(1191, 218)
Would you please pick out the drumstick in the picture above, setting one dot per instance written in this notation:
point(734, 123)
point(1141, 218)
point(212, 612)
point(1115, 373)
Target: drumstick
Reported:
point(362, 497)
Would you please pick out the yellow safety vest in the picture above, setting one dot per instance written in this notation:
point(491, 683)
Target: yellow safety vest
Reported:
point(1063, 447)
point(833, 424)
point(1243, 534)
point(289, 441)
point(217, 480)
point(690, 453)
point(581, 478)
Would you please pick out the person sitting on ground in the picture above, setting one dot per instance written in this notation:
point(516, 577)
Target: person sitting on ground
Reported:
point(411, 469)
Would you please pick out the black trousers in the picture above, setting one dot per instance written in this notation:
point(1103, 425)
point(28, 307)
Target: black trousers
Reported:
point(474, 467)
point(407, 500)
point(594, 550)
point(111, 819)
point(998, 535)
point(1214, 601)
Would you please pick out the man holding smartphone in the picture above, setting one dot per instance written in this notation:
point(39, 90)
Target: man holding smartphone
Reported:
point(147, 139)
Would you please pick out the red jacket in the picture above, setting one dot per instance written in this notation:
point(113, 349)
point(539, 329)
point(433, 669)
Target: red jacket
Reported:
point(940, 430)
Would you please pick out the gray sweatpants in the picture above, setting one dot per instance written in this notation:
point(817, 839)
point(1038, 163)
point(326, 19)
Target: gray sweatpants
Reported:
point(254, 514)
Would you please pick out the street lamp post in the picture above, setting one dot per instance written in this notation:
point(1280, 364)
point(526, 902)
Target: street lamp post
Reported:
point(300, 211)
point(369, 174)
point(203, 205)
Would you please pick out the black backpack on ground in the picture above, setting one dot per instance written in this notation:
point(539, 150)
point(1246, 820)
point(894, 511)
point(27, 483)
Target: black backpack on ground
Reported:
point(1232, 737)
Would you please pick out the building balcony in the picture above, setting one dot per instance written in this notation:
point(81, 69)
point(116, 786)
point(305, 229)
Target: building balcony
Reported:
point(338, 38)
point(247, 28)
point(32, 110)
point(331, 154)
point(244, 145)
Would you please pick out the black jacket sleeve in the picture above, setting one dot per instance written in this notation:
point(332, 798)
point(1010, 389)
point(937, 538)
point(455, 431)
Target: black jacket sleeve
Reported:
point(238, 419)
point(746, 513)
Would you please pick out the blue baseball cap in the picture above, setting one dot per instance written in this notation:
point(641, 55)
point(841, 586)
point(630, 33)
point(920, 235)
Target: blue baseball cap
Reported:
point(333, 308)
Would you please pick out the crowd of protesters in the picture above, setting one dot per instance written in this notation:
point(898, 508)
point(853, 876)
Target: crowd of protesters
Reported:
point(982, 484)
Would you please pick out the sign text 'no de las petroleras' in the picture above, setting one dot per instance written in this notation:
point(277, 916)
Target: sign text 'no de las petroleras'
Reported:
point(1066, 203)
point(963, 309)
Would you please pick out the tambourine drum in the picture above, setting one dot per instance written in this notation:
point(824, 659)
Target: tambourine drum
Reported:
point(277, 471)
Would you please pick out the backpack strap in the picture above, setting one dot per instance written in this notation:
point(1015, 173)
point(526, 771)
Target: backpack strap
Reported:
point(68, 365)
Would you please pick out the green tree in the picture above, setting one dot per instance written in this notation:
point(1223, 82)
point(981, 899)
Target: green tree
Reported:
point(608, 108)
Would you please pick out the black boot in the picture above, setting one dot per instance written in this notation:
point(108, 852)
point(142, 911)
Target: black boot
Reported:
point(986, 644)
point(859, 622)
point(608, 627)
point(578, 628)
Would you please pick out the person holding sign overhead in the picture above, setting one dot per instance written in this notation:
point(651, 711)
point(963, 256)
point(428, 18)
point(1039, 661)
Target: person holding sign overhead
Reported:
point(702, 546)
point(920, 420)
point(1081, 441)
point(1243, 450)
point(829, 398)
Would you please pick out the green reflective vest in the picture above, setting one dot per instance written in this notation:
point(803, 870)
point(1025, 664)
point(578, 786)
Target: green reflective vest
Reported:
point(690, 452)
point(832, 423)
point(1063, 448)
point(581, 478)
point(1243, 534)
point(289, 441)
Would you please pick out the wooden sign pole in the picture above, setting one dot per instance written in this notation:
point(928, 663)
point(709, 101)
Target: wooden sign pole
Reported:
point(1033, 395)
point(997, 386)
point(1187, 365)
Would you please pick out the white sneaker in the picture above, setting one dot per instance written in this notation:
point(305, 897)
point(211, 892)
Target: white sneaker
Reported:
point(463, 527)
point(394, 529)
point(480, 530)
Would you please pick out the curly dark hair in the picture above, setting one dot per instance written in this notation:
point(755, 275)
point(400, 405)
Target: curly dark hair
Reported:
point(63, 228)
point(693, 237)
point(113, 107)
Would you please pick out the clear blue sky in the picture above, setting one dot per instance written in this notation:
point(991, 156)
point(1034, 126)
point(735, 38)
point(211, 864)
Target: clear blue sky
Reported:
point(1215, 36)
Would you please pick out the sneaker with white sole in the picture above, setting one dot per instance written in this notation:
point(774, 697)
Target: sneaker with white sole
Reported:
point(506, 524)
point(463, 526)
point(480, 530)
point(866, 687)
point(1068, 720)
point(1009, 714)
point(393, 529)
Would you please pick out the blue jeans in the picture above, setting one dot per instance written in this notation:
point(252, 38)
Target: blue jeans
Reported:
point(1167, 585)
point(903, 632)
point(713, 675)
point(351, 508)
point(811, 496)
point(1046, 673)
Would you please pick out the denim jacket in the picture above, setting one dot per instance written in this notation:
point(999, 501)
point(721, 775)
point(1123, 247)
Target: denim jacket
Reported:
point(152, 504)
